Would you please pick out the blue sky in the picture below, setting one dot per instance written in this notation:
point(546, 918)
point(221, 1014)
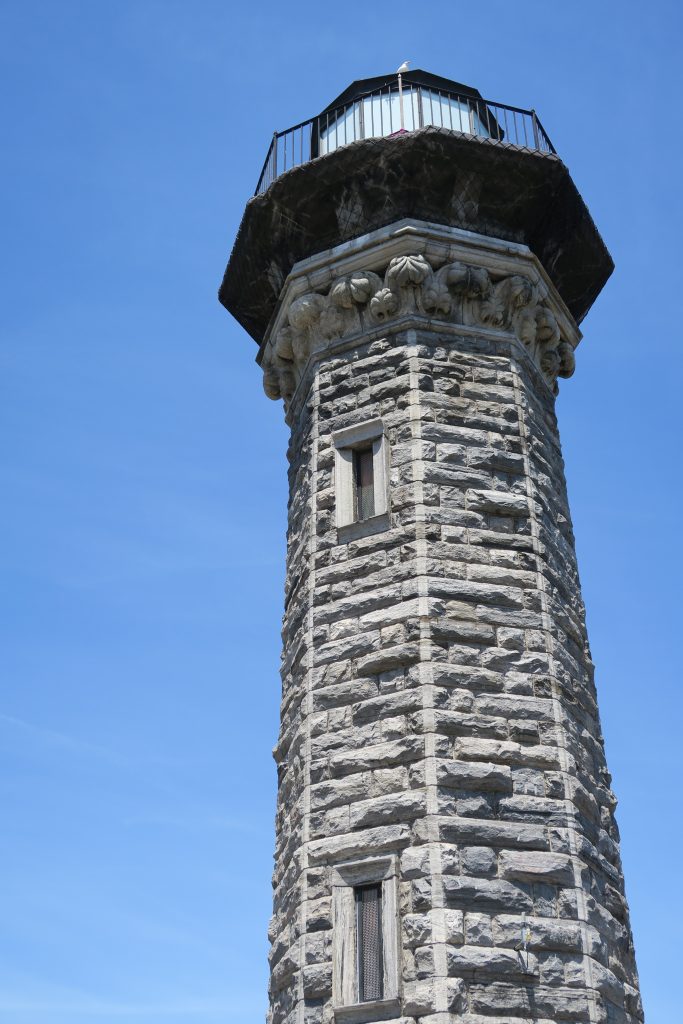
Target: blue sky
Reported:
point(144, 470)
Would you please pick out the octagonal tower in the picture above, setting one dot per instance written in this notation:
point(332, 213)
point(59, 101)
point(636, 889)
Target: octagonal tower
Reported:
point(414, 267)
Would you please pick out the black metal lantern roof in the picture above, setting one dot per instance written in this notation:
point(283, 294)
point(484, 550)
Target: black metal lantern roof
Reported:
point(364, 86)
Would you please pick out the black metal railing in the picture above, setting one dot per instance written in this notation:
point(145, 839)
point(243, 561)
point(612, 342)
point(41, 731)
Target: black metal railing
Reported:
point(393, 110)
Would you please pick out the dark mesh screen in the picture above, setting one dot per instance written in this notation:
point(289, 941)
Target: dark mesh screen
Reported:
point(369, 930)
point(365, 488)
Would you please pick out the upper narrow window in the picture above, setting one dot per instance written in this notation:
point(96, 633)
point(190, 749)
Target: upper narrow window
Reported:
point(369, 942)
point(361, 479)
point(365, 483)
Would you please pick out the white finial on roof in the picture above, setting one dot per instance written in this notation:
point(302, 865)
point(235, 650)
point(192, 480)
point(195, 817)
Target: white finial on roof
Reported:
point(404, 67)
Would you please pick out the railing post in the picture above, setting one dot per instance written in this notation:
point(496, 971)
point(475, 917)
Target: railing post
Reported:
point(274, 145)
point(535, 124)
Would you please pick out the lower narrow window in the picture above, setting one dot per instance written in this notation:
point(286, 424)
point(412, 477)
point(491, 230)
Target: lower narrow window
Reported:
point(369, 942)
point(365, 483)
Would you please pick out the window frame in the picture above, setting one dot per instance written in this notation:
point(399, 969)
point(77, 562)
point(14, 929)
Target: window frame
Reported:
point(370, 434)
point(346, 879)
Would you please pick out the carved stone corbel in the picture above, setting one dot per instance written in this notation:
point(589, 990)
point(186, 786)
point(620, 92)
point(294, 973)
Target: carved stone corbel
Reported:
point(455, 293)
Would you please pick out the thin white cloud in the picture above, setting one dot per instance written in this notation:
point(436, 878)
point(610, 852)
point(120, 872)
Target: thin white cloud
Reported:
point(225, 1007)
point(214, 821)
point(76, 745)
point(30, 995)
point(63, 740)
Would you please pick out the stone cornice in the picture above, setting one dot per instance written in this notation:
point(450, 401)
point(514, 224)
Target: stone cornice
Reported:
point(428, 272)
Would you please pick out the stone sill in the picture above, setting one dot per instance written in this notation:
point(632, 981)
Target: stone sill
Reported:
point(367, 1013)
point(364, 528)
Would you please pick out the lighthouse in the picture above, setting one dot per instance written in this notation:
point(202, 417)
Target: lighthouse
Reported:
point(414, 268)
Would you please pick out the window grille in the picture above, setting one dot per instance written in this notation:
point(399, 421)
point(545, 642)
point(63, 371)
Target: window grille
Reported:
point(365, 483)
point(369, 942)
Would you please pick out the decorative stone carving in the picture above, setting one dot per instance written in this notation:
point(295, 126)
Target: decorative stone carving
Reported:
point(455, 293)
point(407, 270)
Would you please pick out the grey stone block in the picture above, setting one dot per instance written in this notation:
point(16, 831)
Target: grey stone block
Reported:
point(483, 961)
point(534, 866)
point(492, 895)
point(480, 776)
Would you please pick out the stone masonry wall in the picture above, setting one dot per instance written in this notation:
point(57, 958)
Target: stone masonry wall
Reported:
point(438, 699)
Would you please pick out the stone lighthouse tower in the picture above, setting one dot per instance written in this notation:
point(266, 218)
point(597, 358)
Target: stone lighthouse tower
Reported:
point(414, 267)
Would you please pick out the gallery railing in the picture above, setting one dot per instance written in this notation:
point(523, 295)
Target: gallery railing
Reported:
point(392, 111)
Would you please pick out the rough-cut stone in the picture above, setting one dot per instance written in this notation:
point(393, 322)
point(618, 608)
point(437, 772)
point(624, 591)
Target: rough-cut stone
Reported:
point(538, 933)
point(417, 929)
point(492, 895)
point(501, 503)
point(464, 775)
point(377, 756)
point(474, 961)
point(419, 998)
point(533, 866)
point(479, 860)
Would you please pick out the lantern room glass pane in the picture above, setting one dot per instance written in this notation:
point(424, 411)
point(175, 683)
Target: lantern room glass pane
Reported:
point(379, 115)
point(340, 129)
point(452, 112)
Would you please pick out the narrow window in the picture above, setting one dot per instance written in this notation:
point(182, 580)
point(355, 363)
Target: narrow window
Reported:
point(365, 483)
point(361, 477)
point(369, 942)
